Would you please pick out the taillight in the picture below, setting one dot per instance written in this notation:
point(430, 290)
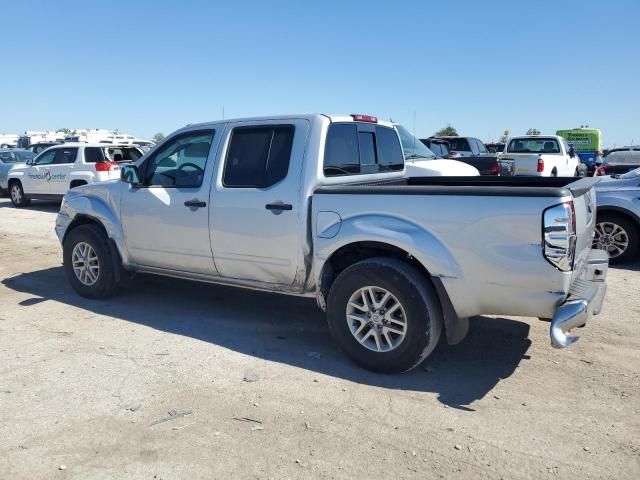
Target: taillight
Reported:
point(601, 171)
point(559, 232)
point(105, 166)
point(495, 169)
point(364, 118)
point(540, 167)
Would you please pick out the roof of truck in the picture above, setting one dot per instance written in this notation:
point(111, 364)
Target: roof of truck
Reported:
point(304, 116)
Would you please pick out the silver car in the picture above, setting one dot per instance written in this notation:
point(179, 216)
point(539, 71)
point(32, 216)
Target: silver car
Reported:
point(618, 218)
point(10, 157)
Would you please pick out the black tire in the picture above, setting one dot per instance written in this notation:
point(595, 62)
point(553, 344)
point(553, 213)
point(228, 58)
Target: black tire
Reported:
point(18, 198)
point(633, 232)
point(417, 297)
point(106, 284)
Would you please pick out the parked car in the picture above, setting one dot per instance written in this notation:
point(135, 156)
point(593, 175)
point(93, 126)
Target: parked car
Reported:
point(543, 156)
point(420, 161)
point(40, 147)
point(61, 167)
point(318, 206)
point(619, 160)
point(618, 216)
point(472, 151)
point(10, 158)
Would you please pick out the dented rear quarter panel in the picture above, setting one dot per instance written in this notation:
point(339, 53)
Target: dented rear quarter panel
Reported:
point(486, 250)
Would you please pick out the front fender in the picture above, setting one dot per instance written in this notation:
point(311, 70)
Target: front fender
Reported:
point(421, 244)
point(79, 206)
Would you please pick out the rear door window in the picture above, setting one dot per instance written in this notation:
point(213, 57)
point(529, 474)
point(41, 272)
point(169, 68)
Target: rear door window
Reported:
point(371, 150)
point(258, 157)
point(65, 156)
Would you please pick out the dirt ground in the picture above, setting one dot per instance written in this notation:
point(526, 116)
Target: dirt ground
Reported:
point(172, 379)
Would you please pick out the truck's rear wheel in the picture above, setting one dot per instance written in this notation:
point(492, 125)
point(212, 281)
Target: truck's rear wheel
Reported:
point(88, 262)
point(18, 198)
point(384, 314)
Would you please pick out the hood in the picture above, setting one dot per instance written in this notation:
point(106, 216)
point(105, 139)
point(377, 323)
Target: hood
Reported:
point(608, 183)
point(439, 168)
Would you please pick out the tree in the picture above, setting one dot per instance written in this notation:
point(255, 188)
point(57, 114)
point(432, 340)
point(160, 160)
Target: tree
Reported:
point(158, 137)
point(64, 130)
point(533, 131)
point(447, 131)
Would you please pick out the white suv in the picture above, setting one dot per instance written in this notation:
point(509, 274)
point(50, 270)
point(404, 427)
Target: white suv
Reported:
point(52, 173)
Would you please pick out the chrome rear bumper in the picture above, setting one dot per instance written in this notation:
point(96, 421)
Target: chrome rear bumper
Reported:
point(584, 300)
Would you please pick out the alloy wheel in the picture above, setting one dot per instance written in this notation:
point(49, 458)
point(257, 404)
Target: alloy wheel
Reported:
point(376, 319)
point(86, 265)
point(611, 237)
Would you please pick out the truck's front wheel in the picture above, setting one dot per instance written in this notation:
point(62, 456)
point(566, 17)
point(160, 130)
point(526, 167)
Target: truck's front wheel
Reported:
point(384, 314)
point(88, 262)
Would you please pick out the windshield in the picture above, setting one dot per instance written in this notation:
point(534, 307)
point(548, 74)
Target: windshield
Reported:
point(413, 148)
point(25, 155)
point(533, 145)
point(631, 174)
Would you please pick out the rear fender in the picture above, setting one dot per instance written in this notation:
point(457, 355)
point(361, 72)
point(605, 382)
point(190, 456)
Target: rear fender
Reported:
point(421, 244)
point(398, 232)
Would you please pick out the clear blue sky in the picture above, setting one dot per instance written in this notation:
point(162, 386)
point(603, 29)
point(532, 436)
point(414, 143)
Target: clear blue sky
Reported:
point(483, 66)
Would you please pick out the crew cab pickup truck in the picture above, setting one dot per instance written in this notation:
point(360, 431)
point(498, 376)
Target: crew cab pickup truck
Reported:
point(543, 156)
point(65, 166)
point(318, 206)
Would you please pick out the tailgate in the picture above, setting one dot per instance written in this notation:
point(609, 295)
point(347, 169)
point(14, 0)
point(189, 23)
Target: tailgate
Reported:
point(523, 163)
point(584, 201)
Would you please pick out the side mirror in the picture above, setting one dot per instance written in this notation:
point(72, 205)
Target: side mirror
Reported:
point(29, 161)
point(130, 174)
point(572, 152)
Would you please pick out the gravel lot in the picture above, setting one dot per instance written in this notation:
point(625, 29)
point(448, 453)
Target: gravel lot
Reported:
point(173, 379)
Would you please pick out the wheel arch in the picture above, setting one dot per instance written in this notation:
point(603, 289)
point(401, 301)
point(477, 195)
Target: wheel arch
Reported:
point(623, 212)
point(455, 327)
point(76, 182)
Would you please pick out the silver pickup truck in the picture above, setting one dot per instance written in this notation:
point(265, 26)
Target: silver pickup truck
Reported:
point(318, 206)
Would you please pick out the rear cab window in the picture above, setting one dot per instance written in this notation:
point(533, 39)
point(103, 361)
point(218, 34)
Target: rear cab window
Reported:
point(356, 148)
point(459, 145)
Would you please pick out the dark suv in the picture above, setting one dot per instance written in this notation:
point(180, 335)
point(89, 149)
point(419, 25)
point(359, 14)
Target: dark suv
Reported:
point(468, 150)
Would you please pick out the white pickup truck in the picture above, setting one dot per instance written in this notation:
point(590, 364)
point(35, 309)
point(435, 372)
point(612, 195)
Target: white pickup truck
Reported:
point(68, 165)
point(319, 206)
point(542, 156)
